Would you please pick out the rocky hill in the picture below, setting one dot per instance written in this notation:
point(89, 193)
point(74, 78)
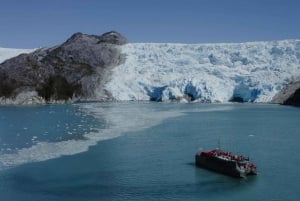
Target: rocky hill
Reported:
point(73, 70)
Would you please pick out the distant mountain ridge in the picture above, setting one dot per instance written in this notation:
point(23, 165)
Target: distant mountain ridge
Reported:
point(107, 67)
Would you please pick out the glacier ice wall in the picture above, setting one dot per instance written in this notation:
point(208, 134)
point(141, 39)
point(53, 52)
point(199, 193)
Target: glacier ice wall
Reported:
point(253, 71)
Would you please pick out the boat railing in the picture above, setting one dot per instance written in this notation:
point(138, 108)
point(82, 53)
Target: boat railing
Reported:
point(226, 155)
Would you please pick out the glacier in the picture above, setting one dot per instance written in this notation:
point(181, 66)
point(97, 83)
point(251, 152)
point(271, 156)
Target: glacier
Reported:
point(7, 53)
point(252, 71)
point(221, 72)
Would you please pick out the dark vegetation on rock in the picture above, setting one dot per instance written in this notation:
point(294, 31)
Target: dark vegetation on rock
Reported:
point(7, 86)
point(76, 68)
point(57, 87)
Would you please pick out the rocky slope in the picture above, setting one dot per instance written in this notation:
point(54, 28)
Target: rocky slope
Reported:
point(73, 70)
point(290, 95)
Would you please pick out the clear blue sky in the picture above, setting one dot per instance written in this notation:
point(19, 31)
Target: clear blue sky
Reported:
point(35, 23)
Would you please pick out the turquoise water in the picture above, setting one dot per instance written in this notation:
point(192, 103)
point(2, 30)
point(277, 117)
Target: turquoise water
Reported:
point(145, 151)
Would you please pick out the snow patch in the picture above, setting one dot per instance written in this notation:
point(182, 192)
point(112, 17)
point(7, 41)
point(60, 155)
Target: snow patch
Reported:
point(7, 53)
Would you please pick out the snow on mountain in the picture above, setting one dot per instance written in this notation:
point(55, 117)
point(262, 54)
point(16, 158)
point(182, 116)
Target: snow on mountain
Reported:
point(253, 71)
point(7, 53)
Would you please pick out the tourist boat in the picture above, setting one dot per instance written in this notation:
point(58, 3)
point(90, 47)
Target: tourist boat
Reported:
point(226, 163)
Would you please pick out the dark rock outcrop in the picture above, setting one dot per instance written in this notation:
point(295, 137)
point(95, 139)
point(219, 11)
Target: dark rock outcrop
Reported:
point(290, 95)
point(294, 99)
point(75, 69)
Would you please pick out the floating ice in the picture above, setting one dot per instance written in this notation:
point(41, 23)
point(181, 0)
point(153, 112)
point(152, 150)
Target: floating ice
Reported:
point(119, 118)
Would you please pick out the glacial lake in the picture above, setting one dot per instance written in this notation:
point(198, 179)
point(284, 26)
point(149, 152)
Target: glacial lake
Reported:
point(145, 151)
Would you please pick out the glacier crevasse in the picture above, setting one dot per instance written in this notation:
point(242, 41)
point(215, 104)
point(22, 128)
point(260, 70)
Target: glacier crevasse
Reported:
point(253, 71)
